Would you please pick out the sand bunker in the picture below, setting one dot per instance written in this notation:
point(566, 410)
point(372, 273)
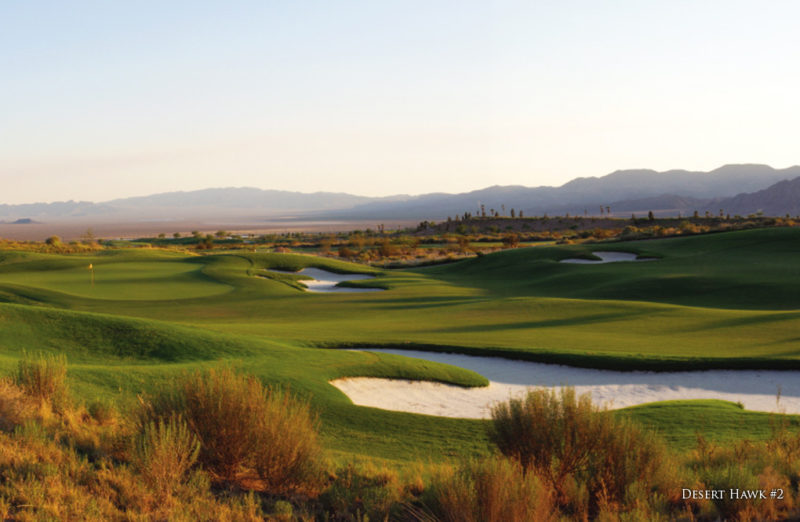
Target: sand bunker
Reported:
point(755, 389)
point(325, 281)
point(608, 257)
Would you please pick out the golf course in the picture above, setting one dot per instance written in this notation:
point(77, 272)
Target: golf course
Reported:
point(169, 380)
point(145, 316)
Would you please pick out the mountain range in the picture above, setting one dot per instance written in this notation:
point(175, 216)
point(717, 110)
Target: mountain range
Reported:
point(736, 189)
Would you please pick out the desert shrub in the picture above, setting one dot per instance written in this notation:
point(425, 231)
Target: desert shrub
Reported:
point(163, 451)
point(245, 428)
point(583, 452)
point(493, 489)
point(289, 456)
point(44, 378)
point(555, 434)
point(511, 240)
point(53, 241)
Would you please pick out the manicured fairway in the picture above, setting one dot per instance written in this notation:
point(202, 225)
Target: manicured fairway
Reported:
point(721, 300)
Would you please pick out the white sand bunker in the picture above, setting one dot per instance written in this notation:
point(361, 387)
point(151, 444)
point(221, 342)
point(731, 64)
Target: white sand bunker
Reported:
point(325, 281)
point(755, 389)
point(608, 257)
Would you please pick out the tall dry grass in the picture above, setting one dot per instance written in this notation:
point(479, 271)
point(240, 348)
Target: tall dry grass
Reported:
point(15, 405)
point(163, 452)
point(45, 378)
point(60, 464)
point(488, 490)
point(772, 464)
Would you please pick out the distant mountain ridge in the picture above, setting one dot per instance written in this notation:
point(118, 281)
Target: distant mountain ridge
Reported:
point(779, 199)
point(737, 188)
point(585, 194)
point(242, 197)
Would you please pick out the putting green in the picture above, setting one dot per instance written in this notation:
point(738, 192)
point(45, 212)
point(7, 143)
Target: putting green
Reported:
point(129, 281)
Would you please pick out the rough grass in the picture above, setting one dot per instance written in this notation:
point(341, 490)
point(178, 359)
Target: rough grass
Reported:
point(67, 465)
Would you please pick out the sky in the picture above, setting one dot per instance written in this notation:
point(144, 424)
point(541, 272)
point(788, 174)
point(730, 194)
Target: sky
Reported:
point(100, 100)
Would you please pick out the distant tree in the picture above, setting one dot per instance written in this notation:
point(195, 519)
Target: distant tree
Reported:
point(696, 215)
point(483, 210)
point(608, 211)
point(601, 210)
point(176, 235)
point(512, 213)
point(196, 233)
point(88, 237)
point(221, 234)
point(520, 213)
point(205, 243)
point(162, 236)
point(53, 241)
point(650, 216)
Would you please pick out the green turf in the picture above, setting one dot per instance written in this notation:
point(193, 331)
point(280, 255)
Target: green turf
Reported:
point(112, 277)
point(721, 300)
point(720, 422)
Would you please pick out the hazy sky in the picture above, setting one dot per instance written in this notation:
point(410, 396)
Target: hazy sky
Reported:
point(103, 99)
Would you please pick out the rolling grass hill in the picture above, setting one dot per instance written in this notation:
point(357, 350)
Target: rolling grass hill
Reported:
point(722, 300)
